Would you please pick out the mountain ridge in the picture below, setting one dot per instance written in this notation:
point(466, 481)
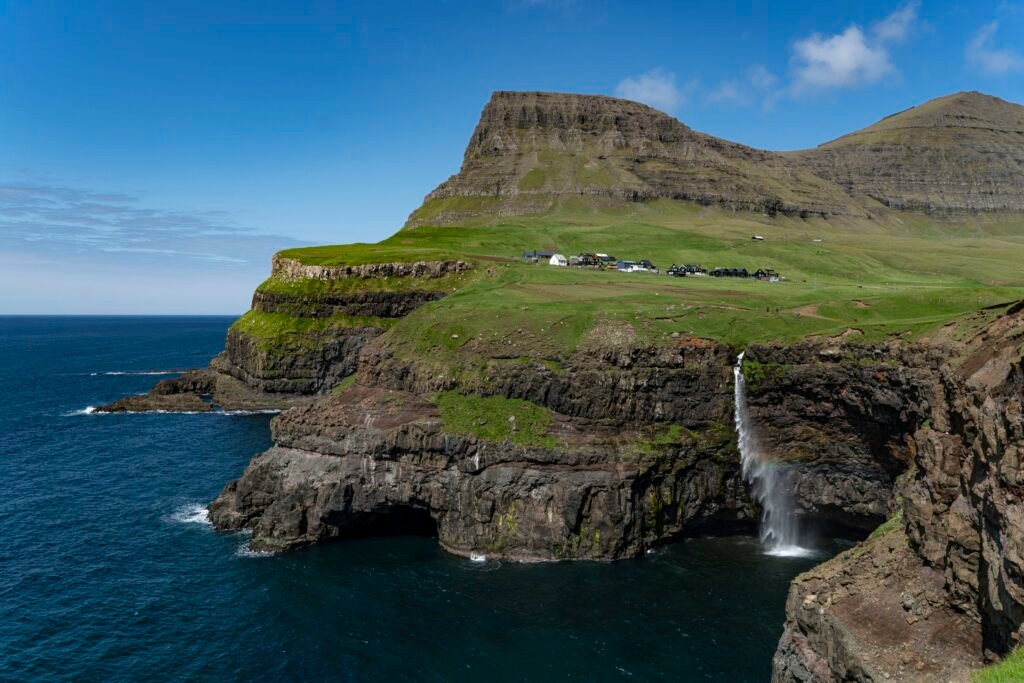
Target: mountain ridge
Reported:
point(960, 152)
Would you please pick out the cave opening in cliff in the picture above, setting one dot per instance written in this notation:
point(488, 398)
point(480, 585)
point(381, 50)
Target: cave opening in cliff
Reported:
point(399, 520)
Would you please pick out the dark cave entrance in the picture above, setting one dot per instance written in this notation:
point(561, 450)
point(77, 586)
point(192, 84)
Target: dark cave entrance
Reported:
point(398, 520)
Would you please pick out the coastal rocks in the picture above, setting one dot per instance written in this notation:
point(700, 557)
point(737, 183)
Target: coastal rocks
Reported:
point(307, 339)
point(842, 417)
point(299, 341)
point(957, 551)
point(304, 362)
point(203, 391)
point(177, 394)
point(357, 462)
point(964, 508)
point(874, 613)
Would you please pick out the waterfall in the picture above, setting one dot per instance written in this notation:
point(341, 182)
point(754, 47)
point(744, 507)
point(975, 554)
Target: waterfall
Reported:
point(780, 528)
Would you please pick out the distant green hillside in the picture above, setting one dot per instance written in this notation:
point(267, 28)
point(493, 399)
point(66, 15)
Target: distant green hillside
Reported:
point(574, 173)
point(908, 274)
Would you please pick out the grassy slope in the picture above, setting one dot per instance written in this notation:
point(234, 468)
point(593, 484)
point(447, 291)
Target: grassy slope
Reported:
point(1009, 670)
point(906, 274)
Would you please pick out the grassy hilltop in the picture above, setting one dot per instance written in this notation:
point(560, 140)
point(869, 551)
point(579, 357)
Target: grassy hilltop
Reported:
point(883, 279)
point(866, 269)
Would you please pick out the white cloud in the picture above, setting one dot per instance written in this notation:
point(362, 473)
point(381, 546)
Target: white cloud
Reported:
point(982, 53)
point(851, 58)
point(897, 25)
point(656, 88)
point(57, 219)
point(840, 61)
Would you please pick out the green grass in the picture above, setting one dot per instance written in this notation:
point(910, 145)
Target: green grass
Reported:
point(344, 384)
point(1009, 670)
point(276, 330)
point(888, 526)
point(900, 275)
point(487, 418)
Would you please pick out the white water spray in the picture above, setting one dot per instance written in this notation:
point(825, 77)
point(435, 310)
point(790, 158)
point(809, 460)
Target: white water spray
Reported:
point(780, 528)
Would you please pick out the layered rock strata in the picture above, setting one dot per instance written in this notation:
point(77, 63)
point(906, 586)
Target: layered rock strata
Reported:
point(530, 145)
point(295, 344)
point(946, 590)
point(609, 473)
point(353, 461)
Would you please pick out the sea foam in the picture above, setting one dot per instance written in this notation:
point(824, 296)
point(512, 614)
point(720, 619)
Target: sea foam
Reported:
point(143, 373)
point(192, 513)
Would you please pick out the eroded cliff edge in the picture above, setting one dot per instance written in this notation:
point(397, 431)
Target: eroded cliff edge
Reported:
point(621, 447)
point(303, 334)
point(940, 588)
point(545, 416)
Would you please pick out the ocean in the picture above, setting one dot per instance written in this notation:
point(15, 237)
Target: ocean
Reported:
point(109, 570)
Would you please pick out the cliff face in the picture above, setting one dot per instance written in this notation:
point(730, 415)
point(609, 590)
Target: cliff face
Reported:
point(309, 322)
point(842, 416)
point(354, 462)
point(941, 588)
point(639, 450)
point(560, 434)
point(303, 334)
point(964, 510)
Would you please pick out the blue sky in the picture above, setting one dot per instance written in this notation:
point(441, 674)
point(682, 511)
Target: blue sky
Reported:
point(153, 155)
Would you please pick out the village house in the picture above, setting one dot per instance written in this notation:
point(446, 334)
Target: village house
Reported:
point(537, 256)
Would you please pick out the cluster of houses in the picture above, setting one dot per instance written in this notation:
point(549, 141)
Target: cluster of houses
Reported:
point(607, 262)
point(588, 260)
point(759, 274)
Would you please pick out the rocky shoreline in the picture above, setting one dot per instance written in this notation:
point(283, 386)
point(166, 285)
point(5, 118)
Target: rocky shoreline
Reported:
point(637, 450)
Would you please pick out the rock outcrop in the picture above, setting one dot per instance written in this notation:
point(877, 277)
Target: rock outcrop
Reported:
point(641, 450)
point(303, 334)
point(953, 559)
point(964, 508)
point(358, 461)
point(875, 613)
point(532, 145)
point(842, 416)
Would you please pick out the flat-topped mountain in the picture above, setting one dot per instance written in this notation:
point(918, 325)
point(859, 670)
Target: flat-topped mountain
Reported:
point(961, 152)
point(536, 143)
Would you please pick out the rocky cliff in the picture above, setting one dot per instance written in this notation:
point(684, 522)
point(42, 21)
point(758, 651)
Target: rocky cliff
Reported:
point(303, 334)
point(637, 449)
point(939, 589)
point(559, 416)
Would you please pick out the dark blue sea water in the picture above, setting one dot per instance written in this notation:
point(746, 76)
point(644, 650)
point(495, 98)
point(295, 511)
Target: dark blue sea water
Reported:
point(108, 572)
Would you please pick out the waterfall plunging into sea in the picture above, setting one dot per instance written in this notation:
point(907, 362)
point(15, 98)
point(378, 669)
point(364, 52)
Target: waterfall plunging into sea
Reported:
point(780, 528)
